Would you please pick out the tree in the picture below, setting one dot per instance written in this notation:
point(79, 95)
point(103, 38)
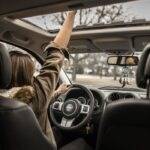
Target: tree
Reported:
point(76, 59)
point(90, 16)
point(110, 14)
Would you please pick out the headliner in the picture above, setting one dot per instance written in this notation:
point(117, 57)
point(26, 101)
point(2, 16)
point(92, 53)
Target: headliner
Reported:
point(26, 8)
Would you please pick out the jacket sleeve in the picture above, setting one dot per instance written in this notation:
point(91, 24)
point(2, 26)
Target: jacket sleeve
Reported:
point(45, 83)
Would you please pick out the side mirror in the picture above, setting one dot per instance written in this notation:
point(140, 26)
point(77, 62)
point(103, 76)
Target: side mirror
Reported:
point(123, 60)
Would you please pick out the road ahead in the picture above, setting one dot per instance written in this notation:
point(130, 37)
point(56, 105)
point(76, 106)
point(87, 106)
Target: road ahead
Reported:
point(98, 81)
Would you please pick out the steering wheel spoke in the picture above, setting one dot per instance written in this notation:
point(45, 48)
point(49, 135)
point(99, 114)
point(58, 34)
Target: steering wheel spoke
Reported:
point(67, 122)
point(85, 109)
point(57, 106)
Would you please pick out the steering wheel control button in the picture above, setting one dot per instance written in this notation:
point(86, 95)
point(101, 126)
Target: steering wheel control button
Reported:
point(57, 106)
point(85, 109)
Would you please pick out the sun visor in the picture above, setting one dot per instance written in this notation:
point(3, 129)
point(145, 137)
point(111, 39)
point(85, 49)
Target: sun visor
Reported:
point(82, 46)
point(113, 45)
point(140, 42)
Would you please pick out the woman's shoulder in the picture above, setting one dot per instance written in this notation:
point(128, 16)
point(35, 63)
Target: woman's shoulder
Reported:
point(24, 94)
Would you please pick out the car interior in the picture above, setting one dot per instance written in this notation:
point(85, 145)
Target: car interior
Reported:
point(110, 115)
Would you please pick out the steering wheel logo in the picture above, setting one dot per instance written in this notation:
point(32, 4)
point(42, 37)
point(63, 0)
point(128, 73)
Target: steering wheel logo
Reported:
point(69, 107)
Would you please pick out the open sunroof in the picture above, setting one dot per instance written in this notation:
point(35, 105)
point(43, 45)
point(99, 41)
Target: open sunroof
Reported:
point(103, 15)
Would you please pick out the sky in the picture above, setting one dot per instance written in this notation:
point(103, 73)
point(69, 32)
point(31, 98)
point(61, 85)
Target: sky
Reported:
point(140, 9)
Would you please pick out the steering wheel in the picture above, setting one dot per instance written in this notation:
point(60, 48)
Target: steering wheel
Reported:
point(71, 109)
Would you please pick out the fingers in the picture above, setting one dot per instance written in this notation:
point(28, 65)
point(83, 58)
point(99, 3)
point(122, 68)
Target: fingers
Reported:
point(72, 12)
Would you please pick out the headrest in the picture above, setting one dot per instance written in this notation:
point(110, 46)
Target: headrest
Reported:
point(5, 67)
point(143, 70)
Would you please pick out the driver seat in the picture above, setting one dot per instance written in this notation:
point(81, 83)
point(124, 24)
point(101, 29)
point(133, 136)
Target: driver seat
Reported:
point(125, 124)
point(19, 129)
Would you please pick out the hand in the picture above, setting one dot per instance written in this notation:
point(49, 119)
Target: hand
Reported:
point(63, 88)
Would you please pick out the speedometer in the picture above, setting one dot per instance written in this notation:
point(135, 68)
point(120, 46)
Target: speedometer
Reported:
point(82, 100)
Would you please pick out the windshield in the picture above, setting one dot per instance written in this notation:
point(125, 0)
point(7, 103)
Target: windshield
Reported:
point(121, 13)
point(93, 70)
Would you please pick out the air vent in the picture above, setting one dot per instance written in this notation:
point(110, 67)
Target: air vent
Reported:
point(129, 96)
point(120, 96)
point(114, 97)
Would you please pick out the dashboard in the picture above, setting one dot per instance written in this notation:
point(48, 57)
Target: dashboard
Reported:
point(106, 96)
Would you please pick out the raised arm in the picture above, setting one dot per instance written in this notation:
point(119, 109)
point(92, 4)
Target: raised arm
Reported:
point(63, 36)
point(45, 83)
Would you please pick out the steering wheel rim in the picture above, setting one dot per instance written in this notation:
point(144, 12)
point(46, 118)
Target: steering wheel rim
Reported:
point(72, 118)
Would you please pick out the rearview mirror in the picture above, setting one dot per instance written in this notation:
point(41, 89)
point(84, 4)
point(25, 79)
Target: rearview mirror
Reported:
point(123, 60)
